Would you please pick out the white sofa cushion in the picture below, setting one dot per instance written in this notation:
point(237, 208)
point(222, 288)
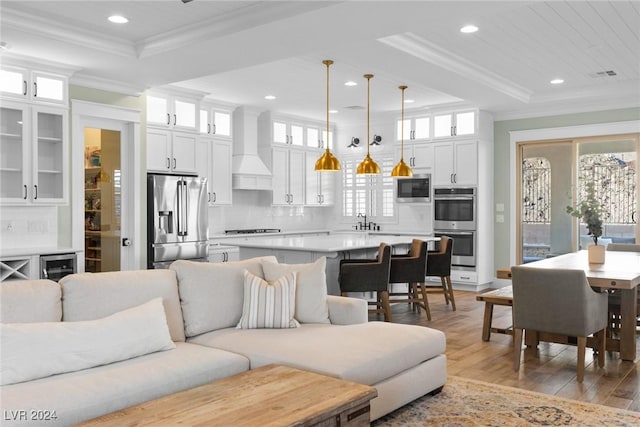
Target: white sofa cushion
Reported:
point(311, 288)
point(30, 301)
point(211, 294)
point(365, 353)
point(88, 296)
point(82, 395)
point(268, 304)
point(38, 350)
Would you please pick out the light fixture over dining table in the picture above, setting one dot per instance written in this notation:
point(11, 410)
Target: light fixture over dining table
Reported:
point(402, 169)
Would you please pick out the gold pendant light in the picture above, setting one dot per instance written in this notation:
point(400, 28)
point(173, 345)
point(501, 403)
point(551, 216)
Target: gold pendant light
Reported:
point(327, 162)
point(402, 169)
point(368, 165)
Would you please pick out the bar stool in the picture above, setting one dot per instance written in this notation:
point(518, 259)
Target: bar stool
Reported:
point(367, 275)
point(439, 265)
point(411, 269)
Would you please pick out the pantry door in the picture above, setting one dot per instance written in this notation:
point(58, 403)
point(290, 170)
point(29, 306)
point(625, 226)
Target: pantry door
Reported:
point(105, 192)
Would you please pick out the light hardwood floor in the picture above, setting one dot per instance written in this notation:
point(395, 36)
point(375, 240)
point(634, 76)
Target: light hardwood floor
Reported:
point(552, 370)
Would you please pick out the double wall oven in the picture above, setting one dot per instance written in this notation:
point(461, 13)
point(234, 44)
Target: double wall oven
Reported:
point(455, 216)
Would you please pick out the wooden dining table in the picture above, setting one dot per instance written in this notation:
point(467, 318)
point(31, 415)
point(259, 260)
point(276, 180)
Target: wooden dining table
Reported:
point(621, 271)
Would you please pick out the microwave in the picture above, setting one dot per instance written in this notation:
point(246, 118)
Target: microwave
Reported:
point(414, 189)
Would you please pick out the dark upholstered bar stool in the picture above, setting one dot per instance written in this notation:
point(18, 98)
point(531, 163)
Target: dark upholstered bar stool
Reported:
point(411, 269)
point(366, 275)
point(439, 265)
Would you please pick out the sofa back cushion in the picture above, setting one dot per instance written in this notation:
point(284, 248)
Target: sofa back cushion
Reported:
point(25, 301)
point(311, 288)
point(212, 294)
point(88, 296)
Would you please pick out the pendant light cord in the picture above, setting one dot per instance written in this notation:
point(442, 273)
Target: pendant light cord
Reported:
point(368, 77)
point(402, 125)
point(327, 62)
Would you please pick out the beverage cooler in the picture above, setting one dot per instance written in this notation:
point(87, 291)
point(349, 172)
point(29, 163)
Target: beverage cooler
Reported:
point(55, 267)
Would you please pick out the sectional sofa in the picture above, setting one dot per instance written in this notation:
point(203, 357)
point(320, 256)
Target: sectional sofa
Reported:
point(99, 342)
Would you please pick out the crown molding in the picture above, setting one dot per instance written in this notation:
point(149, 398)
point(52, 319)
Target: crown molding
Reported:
point(219, 26)
point(108, 85)
point(429, 52)
point(32, 63)
point(35, 25)
point(554, 109)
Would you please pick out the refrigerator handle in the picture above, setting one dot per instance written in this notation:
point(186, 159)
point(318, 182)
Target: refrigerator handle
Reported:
point(182, 207)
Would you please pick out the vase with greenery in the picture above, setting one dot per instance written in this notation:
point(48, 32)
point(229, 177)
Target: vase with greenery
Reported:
point(590, 212)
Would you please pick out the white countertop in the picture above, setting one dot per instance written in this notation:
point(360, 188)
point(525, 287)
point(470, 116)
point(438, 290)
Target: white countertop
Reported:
point(6, 253)
point(338, 242)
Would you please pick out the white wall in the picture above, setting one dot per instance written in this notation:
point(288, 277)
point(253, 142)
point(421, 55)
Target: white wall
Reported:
point(29, 227)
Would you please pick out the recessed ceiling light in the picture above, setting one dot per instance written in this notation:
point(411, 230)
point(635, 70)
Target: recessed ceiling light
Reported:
point(409, 101)
point(468, 29)
point(351, 83)
point(556, 81)
point(270, 97)
point(118, 19)
point(333, 111)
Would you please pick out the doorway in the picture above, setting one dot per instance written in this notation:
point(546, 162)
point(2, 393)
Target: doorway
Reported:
point(102, 200)
point(106, 199)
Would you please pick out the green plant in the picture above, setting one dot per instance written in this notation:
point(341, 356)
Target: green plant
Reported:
point(589, 211)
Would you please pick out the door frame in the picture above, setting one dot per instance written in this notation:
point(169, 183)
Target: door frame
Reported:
point(568, 132)
point(88, 114)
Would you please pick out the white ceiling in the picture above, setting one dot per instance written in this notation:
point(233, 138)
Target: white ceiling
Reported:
point(240, 51)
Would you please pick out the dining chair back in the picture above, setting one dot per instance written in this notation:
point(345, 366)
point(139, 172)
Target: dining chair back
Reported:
point(369, 275)
point(558, 301)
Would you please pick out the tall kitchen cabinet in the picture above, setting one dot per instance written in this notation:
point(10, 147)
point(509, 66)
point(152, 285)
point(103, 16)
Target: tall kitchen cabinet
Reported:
point(172, 130)
point(215, 152)
point(34, 137)
point(457, 163)
point(290, 146)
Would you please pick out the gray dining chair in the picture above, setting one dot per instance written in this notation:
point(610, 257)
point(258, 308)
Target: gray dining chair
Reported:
point(558, 301)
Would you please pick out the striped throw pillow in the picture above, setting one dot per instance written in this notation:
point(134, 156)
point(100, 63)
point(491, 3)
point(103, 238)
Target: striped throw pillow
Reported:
point(268, 304)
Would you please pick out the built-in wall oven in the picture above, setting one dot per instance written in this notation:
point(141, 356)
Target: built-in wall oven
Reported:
point(455, 216)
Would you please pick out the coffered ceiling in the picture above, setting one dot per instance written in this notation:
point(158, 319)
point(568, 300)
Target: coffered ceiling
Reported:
point(240, 51)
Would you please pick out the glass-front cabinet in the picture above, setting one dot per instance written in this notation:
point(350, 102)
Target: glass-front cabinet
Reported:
point(172, 112)
point(33, 147)
point(454, 124)
point(414, 128)
point(215, 121)
point(23, 84)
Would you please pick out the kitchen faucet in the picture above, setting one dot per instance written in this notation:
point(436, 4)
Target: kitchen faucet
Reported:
point(364, 225)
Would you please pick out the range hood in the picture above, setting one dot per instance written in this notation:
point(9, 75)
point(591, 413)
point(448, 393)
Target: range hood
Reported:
point(249, 172)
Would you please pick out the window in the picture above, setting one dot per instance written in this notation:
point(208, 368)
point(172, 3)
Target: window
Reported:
point(371, 195)
point(536, 208)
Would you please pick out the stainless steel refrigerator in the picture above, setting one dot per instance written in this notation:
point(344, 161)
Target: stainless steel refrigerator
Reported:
point(177, 219)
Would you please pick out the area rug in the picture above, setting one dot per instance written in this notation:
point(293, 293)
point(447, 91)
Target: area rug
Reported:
point(466, 403)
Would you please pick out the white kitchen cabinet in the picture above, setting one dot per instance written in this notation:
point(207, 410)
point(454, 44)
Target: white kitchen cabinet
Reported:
point(320, 186)
point(29, 85)
point(173, 111)
point(215, 121)
point(415, 128)
point(171, 151)
point(418, 155)
point(34, 154)
point(313, 138)
point(455, 163)
point(214, 163)
point(285, 132)
point(218, 253)
point(287, 167)
point(455, 124)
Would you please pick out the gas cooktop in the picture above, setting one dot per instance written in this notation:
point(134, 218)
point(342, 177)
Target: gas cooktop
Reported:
point(252, 231)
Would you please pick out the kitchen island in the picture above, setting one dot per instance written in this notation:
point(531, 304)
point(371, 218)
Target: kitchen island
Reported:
point(337, 246)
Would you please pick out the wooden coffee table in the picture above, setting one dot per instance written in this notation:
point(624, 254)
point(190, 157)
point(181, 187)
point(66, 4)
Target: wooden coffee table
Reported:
point(273, 395)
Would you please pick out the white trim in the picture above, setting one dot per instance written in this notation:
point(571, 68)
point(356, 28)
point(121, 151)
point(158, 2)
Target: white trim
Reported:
point(129, 119)
point(579, 131)
point(81, 79)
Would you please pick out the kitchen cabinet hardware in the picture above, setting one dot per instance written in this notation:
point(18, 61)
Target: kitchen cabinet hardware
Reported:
point(168, 119)
point(24, 90)
point(35, 196)
point(25, 191)
point(175, 119)
point(35, 89)
point(175, 164)
point(168, 163)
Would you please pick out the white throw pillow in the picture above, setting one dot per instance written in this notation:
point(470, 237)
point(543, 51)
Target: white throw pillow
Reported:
point(311, 288)
point(211, 293)
point(38, 350)
point(268, 304)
